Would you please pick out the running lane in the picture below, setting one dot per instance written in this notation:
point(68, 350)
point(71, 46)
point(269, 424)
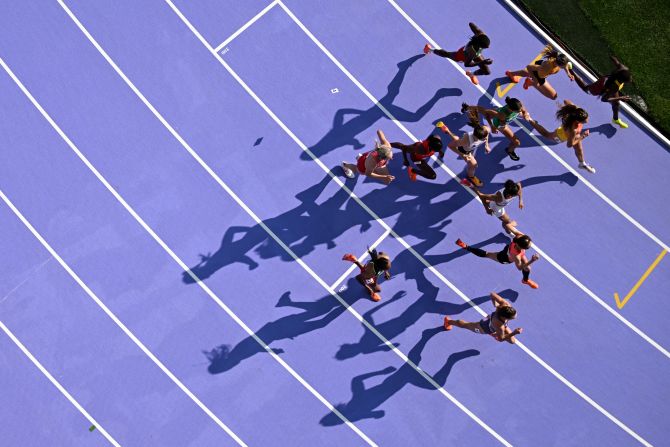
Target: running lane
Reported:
point(35, 412)
point(272, 50)
point(277, 298)
point(609, 429)
point(79, 345)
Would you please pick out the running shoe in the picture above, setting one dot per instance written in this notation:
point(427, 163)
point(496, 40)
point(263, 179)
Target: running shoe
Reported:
point(620, 123)
point(514, 79)
point(466, 182)
point(441, 125)
point(472, 77)
point(529, 282)
point(512, 155)
point(475, 181)
point(460, 243)
point(349, 257)
point(427, 49)
point(347, 172)
point(447, 324)
point(587, 167)
point(412, 174)
point(527, 83)
point(375, 297)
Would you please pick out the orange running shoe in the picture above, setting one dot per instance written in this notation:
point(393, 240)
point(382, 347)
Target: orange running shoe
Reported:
point(460, 243)
point(531, 283)
point(349, 257)
point(466, 182)
point(514, 79)
point(412, 174)
point(375, 297)
point(472, 77)
point(447, 324)
point(427, 49)
point(527, 83)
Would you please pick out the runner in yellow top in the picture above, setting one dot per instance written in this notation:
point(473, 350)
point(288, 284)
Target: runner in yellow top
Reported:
point(536, 74)
point(570, 131)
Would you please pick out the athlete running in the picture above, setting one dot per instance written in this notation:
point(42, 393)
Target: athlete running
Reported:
point(609, 87)
point(536, 74)
point(495, 204)
point(379, 264)
point(373, 163)
point(466, 146)
point(499, 120)
point(570, 131)
point(470, 54)
point(514, 252)
point(494, 325)
point(419, 154)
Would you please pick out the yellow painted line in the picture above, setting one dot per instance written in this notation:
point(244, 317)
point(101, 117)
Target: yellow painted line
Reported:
point(512, 84)
point(621, 304)
point(507, 89)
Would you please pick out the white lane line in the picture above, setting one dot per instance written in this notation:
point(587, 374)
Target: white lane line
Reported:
point(361, 259)
point(245, 26)
point(232, 194)
point(114, 318)
point(631, 111)
point(402, 241)
point(163, 245)
point(592, 187)
point(374, 100)
point(57, 384)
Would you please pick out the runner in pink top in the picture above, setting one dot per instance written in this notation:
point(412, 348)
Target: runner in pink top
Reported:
point(373, 163)
point(514, 252)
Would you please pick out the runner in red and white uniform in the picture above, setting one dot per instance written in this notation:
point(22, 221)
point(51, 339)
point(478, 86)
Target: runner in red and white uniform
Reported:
point(373, 164)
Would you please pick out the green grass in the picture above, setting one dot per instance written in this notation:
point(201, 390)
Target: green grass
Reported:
point(636, 31)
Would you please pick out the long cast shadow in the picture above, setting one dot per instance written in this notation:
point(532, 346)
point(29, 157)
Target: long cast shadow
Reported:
point(315, 315)
point(365, 402)
point(345, 131)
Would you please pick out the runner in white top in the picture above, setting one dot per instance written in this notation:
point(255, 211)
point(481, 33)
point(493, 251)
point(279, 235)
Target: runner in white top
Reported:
point(466, 146)
point(495, 204)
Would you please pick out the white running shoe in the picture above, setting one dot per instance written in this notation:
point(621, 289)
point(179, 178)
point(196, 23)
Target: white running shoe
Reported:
point(347, 172)
point(587, 167)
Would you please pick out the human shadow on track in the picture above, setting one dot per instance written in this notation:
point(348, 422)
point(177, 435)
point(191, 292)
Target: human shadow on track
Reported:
point(345, 132)
point(427, 303)
point(412, 208)
point(315, 315)
point(365, 402)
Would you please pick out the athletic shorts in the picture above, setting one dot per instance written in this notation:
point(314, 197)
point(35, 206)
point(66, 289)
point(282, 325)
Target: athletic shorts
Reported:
point(597, 87)
point(498, 210)
point(503, 256)
point(484, 327)
point(540, 80)
point(460, 55)
point(462, 150)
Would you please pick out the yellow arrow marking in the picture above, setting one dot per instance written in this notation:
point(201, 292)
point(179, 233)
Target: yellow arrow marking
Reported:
point(507, 89)
point(512, 84)
point(620, 304)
